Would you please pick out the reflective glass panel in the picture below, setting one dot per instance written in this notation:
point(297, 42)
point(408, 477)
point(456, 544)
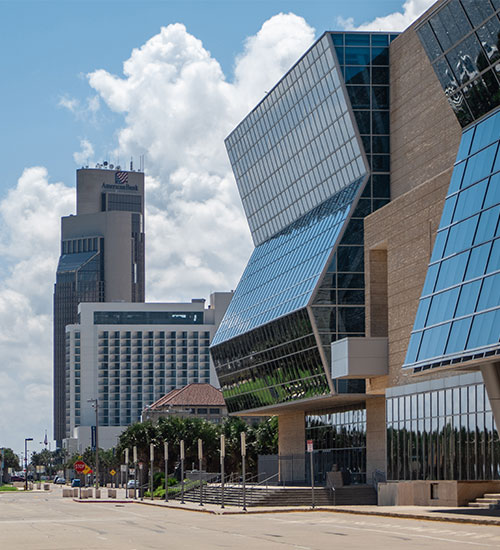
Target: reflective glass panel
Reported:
point(467, 263)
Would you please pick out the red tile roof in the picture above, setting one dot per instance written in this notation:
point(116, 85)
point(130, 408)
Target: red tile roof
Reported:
point(192, 394)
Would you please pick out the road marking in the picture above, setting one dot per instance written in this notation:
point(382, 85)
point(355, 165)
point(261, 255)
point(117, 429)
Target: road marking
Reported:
point(398, 530)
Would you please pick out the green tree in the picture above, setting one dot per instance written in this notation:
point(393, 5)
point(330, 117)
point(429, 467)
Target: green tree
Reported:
point(11, 460)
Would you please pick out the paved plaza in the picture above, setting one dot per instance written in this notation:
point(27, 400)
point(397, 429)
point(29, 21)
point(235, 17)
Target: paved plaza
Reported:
point(45, 521)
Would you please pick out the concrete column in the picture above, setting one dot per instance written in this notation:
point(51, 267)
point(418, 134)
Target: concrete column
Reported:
point(291, 446)
point(491, 377)
point(376, 440)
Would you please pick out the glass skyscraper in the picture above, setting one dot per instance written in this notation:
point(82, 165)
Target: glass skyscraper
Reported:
point(311, 161)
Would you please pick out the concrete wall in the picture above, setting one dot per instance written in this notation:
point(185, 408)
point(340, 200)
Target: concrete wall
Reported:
point(376, 440)
point(291, 441)
point(89, 186)
point(433, 493)
point(408, 227)
point(424, 130)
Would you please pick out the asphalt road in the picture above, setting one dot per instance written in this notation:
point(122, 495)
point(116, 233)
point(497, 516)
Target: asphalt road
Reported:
point(41, 521)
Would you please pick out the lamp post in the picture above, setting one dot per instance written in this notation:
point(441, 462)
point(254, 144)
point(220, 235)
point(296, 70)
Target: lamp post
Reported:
point(95, 403)
point(26, 462)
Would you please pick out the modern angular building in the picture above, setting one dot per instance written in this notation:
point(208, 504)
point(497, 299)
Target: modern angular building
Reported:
point(102, 259)
point(368, 317)
point(129, 355)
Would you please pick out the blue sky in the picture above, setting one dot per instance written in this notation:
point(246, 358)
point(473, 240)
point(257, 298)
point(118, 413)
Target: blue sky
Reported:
point(65, 98)
point(53, 44)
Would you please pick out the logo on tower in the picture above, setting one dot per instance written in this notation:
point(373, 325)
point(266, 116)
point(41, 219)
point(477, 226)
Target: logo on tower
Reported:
point(121, 178)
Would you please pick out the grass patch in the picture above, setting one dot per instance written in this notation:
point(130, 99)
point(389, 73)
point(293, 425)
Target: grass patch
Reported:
point(5, 488)
point(175, 490)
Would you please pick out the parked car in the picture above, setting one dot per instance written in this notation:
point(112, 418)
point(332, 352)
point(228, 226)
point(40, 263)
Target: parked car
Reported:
point(133, 483)
point(16, 477)
point(60, 481)
point(75, 482)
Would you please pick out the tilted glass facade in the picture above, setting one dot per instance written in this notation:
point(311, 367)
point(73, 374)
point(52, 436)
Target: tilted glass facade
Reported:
point(298, 147)
point(462, 40)
point(308, 268)
point(459, 311)
point(338, 306)
point(283, 271)
point(275, 363)
point(445, 432)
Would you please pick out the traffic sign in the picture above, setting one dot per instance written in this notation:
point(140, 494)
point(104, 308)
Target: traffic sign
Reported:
point(79, 466)
point(309, 445)
point(112, 472)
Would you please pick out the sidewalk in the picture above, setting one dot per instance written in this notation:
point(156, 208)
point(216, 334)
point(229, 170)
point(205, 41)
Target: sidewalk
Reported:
point(429, 513)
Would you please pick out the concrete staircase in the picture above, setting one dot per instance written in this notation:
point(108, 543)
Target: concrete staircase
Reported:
point(284, 496)
point(489, 501)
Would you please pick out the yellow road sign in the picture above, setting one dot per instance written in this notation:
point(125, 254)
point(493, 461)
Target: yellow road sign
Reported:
point(112, 472)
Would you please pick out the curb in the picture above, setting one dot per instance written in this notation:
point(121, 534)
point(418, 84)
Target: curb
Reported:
point(399, 515)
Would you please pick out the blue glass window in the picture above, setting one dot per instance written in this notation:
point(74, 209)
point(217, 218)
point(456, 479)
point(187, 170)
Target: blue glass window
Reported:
point(284, 270)
point(465, 259)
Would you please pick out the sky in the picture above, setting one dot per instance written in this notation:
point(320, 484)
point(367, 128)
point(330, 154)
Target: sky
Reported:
point(88, 81)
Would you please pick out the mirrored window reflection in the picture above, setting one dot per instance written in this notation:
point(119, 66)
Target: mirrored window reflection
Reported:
point(275, 363)
point(462, 42)
point(465, 256)
point(442, 434)
point(340, 439)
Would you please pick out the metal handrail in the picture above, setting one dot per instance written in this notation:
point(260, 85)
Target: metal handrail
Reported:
point(266, 481)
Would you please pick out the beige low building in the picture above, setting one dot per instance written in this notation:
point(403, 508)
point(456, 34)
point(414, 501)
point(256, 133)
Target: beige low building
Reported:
point(192, 401)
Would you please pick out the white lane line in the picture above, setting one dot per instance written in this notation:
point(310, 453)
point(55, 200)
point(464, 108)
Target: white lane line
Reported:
point(398, 530)
point(442, 539)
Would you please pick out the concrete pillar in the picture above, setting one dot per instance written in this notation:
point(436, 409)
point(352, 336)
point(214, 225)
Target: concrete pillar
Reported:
point(291, 446)
point(376, 437)
point(491, 377)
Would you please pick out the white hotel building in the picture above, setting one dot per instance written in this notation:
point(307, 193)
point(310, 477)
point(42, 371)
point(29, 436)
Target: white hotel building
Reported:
point(128, 355)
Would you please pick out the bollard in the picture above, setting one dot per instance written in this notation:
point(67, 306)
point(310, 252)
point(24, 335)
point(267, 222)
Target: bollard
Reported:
point(46, 487)
point(111, 493)
point(97, 493)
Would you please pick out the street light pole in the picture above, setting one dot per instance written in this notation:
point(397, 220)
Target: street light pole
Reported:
point(26, 462)
point(95, 402)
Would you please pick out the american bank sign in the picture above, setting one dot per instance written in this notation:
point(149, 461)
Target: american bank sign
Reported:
point(121, 183)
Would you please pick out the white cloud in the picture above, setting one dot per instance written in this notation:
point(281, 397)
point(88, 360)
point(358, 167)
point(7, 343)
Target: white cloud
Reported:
point(397, 21)
point(30, 223)
point(178, 108)
point(84, 157)
point(86, 110)
point(69, 103)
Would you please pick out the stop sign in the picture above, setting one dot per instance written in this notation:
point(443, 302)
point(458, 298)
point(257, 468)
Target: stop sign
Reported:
point(79, 466)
